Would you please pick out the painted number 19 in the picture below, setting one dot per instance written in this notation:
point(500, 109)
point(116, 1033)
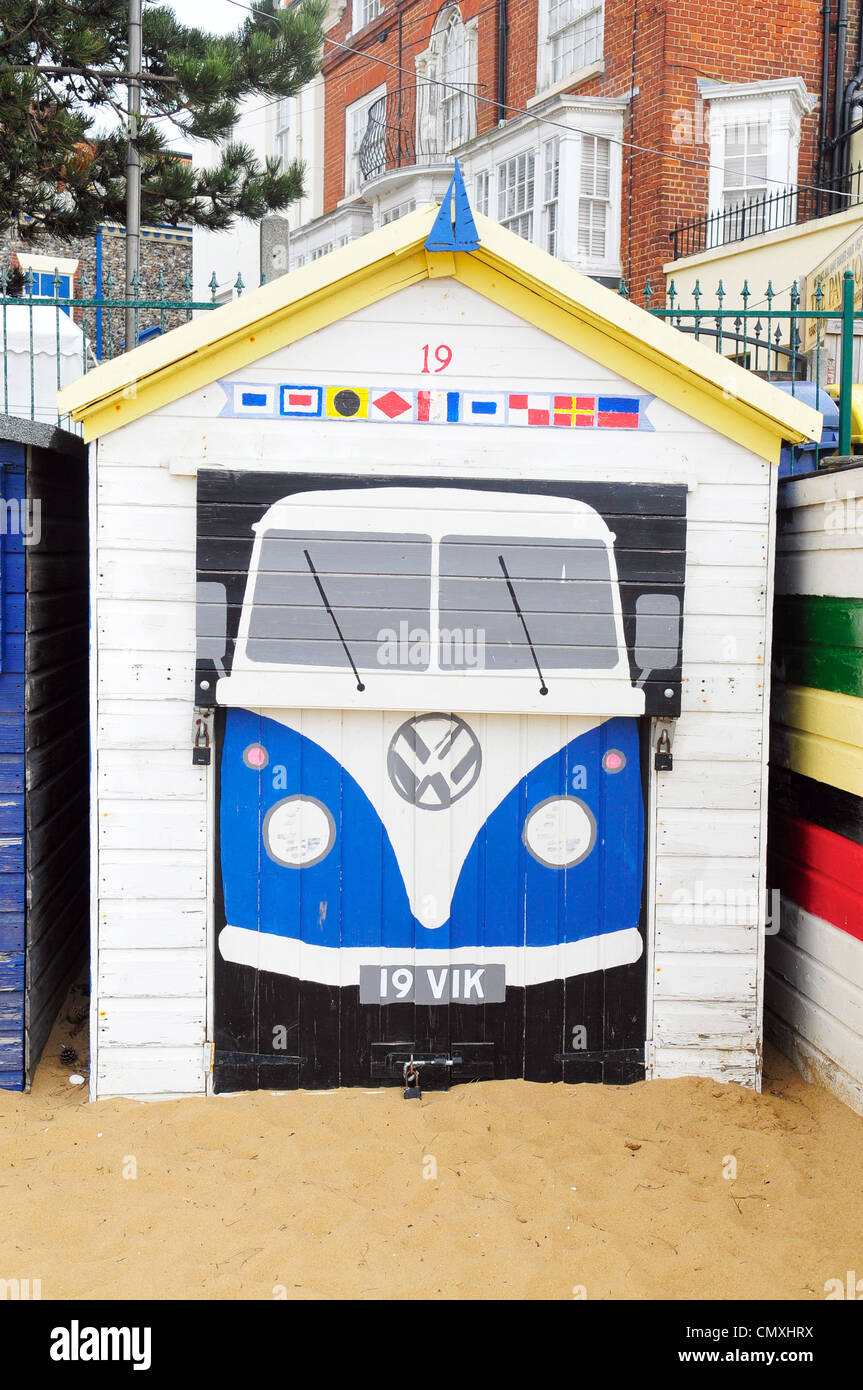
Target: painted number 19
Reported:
point(442, 355)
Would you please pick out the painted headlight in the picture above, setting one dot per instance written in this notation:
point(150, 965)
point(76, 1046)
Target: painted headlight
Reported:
point(560, 832)
point(298, 831)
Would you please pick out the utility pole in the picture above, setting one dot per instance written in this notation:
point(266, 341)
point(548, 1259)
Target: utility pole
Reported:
point(133, 168)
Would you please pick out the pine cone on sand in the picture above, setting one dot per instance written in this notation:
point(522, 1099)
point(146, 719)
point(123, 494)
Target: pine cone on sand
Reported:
point(68, 1055)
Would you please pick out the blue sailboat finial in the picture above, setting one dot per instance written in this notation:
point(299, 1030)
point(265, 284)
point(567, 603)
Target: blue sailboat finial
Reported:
point(454, 228)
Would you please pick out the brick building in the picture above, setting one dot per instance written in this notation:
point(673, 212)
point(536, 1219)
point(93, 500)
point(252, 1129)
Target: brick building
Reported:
point(593, 129)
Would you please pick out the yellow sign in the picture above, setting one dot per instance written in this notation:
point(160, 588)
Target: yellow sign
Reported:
point(847, 256)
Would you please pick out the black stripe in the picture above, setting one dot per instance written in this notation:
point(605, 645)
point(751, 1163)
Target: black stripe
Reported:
point(792, 794)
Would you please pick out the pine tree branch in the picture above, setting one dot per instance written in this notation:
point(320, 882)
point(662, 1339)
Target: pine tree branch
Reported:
point(62, 64)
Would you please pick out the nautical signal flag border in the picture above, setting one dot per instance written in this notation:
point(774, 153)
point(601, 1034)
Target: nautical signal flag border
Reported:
point(395, 405)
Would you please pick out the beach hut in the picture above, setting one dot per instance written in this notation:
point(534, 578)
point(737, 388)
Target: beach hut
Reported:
point(44, 775)
point(431, 611)
point(814, 989)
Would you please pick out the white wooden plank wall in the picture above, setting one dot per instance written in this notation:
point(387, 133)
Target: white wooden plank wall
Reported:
point(705, 952)
point(151, 815)
point(814, 1001)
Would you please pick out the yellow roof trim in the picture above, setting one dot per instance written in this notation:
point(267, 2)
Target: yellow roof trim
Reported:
point(504, 268)
point(618, 319)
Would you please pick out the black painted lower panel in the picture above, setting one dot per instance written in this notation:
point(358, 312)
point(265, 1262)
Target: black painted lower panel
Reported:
point(326, 1038)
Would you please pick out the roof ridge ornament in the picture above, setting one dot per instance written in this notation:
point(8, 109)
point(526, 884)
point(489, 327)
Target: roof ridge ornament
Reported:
point(454, 228)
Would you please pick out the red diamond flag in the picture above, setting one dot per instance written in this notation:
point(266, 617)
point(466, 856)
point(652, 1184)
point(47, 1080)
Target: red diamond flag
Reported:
point(392, 405)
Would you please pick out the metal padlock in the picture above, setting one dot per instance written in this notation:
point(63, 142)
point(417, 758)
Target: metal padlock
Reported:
point(201, 747)
point(662, 759)
point(412, 1082)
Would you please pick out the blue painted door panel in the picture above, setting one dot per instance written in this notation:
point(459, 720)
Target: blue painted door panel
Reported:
point(355, 896)
point(12, 944)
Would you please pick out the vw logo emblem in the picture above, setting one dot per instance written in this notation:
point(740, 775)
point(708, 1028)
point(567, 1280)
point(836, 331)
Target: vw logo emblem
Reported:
point(434, 760)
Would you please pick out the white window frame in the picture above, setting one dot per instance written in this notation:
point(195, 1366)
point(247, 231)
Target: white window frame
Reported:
point(482, 192)
point(441, 109)
point(363, 12)
point(344, 224)
point(558, 18)
point(753, 138)
point(777, 108)
point(515, 184)
point(353, 178)
point(394, 214)
point(591, 197)
point(571, 116)
point(286, 112)
point(551, 194)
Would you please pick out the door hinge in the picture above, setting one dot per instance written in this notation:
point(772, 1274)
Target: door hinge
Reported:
point(649, 1057)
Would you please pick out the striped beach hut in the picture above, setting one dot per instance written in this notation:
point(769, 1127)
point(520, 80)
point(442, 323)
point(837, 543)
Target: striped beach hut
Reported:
point(814, 984)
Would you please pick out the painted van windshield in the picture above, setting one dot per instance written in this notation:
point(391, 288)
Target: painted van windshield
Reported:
point(514, 591)
point(329, 600)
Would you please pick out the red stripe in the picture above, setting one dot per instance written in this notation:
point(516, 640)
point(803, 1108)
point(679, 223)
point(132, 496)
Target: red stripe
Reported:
point(423, 404)
point(820, 870)
point(617, 420)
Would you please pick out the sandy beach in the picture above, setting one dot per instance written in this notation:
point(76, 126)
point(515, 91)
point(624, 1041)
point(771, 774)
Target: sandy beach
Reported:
point(505, 1190)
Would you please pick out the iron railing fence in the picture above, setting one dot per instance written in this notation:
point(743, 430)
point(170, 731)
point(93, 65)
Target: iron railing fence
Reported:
point(419, 124)
point(812, 342)
point(49, 340)
point(751, 217)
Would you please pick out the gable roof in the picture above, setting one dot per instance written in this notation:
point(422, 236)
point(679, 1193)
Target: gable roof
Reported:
point(505, 269)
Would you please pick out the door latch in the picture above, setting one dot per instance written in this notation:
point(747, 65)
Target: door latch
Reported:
point(203, 727)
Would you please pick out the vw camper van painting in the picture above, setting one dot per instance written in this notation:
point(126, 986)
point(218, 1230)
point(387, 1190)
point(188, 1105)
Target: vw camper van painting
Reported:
point(430, 769)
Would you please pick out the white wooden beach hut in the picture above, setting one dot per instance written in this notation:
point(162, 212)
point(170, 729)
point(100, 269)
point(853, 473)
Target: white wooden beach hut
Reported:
point(471, 767)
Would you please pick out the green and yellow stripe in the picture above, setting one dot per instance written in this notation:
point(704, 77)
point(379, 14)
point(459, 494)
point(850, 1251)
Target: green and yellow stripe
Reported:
point(819, 734)
point(818, 642)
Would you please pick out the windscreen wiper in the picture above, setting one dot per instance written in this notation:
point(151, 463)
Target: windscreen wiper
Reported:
point(328, 607)
point(543, 688)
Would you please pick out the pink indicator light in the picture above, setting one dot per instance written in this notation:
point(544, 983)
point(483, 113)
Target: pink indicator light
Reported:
point(255, 756)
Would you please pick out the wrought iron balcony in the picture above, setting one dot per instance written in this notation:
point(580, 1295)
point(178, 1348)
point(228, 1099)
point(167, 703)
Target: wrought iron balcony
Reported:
point(416, 125)
point(753, 217)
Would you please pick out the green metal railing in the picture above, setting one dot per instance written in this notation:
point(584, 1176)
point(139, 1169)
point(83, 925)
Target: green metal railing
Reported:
point(40, 353)
point(770, 340)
